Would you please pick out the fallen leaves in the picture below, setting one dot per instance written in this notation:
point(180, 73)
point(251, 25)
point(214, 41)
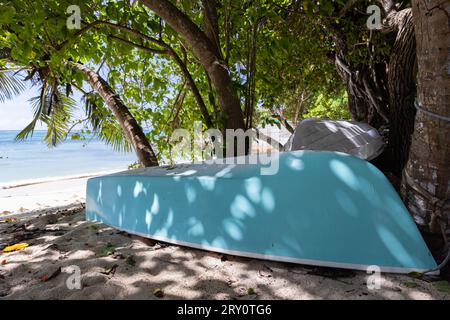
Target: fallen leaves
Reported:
point(410, 284)
point(158, 293)
point(15, 247)
point(117, 255)
point(131, 261)
point(251, 291)
point(52, 275)
point(107, 250)
point(442, 285)
point(415, 275)
point(111, 270)
point(9, 220)
point(4, 262)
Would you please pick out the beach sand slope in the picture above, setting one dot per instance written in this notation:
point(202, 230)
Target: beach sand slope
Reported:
point(116, 265)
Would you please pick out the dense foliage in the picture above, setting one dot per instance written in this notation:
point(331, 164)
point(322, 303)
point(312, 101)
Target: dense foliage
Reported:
point(280, 56)
point(278, 62)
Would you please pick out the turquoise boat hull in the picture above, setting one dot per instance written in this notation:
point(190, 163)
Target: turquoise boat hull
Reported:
point(321, 208)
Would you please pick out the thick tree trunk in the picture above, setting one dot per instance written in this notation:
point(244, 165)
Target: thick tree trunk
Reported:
point(206, 52)
point(426, 181)
point(402, 90)
point(129, 125)
point(383, 93)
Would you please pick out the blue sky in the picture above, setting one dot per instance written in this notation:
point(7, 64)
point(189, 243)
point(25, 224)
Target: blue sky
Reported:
point(17, 113)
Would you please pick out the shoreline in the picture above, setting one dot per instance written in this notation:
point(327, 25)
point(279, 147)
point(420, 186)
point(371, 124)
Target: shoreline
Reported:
point(28, 182)
point(27, 196)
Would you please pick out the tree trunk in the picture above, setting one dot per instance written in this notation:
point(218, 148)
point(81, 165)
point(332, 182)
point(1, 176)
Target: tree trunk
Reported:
point(206, 52)
point(128, 123)
point(402, 90)
point(211, 23)
point(367, 97)
point(383, 93)
point(426, 177)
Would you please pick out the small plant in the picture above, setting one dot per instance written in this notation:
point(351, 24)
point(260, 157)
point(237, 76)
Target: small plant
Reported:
point(107, 250)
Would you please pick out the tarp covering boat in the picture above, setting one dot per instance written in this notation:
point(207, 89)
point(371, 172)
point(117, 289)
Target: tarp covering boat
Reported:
point(355, 138)
point(321, 208)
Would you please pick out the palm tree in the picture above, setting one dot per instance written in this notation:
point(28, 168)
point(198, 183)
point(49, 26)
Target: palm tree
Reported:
point(115, 125)
point(52, 107)
point(426, 178)
point(10, 84)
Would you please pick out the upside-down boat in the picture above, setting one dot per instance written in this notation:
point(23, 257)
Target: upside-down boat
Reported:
point(320, 208)
point(356, 138)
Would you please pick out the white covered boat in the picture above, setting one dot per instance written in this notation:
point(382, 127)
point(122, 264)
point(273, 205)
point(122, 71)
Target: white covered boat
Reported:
point(351, 137)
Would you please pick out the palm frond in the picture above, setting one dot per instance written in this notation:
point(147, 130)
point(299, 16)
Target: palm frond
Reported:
point(53, 108)
point(112, 134)
point(58, 120)
point(10, 85)
point(38, 104)
point(104, 124)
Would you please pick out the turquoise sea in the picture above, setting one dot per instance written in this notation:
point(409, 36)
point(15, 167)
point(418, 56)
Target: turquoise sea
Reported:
point(32, 159)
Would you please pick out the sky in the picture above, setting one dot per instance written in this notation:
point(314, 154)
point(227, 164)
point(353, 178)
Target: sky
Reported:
point(17, 113)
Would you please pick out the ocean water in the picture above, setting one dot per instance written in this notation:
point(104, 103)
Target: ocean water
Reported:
point(32, 159)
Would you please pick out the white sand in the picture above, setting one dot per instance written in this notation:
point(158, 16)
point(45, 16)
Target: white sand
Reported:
point(28, 195)
point(60, 238)
point(42, 195)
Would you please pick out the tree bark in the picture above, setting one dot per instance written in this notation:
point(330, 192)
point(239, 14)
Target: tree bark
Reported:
point(426, 177)
point(367, 97)
point(402, 89)
point(383, 93)
point(211, 23)
point(128, 123)
point(206, 52)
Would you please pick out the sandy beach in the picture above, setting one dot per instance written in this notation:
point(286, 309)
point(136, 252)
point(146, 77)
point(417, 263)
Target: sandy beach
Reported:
point(29, 195)
point(49, 216)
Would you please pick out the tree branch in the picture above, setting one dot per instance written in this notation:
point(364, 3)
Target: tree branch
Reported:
point(167, 50)
point(211, 23)
point(138, 46)
point(205, 51)
point(273, 142)
point(284, 122)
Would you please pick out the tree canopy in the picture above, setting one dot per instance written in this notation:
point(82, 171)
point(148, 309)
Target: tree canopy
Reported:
point(270, 49)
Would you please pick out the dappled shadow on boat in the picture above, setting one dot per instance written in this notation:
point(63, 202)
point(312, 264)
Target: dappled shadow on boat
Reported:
point(117, 265)
point(319, 206)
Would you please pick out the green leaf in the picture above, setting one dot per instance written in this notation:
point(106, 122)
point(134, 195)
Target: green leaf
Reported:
point(107, 250)
point(410, 284)
point(416, 275)
point(10, 85)
point(443, 286)
point(7, 14)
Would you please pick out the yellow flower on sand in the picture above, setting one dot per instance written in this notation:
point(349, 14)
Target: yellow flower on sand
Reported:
point(15, 247)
